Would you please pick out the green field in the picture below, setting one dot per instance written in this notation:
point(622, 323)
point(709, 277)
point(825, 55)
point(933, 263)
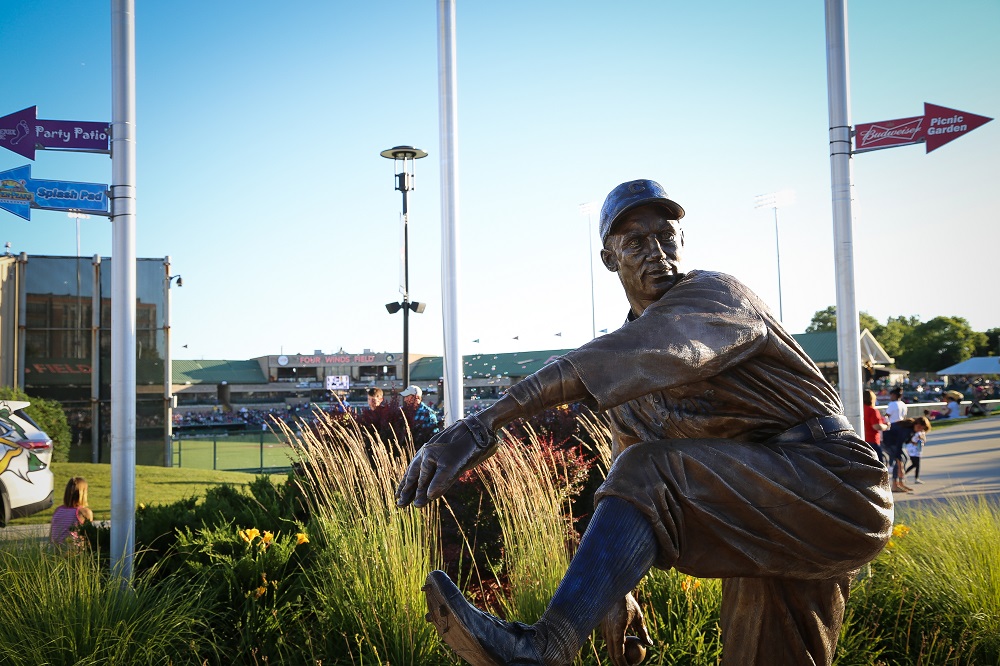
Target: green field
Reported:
point(243, 452)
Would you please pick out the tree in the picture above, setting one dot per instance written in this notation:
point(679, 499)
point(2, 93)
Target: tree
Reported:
point(826, 320)
point(938, 343)
point(823, 320)
point(992, 346)
point(49, 416)
point(891, 335)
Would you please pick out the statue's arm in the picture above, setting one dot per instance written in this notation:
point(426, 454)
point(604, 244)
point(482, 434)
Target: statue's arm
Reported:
point(470, 441)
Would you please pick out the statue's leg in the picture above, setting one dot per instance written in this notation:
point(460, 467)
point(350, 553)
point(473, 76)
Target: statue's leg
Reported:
point(769, 621)
point(616, 551)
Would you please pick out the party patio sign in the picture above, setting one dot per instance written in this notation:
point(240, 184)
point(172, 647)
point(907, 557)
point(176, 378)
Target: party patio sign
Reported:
point(938, 126)
point(23, 133)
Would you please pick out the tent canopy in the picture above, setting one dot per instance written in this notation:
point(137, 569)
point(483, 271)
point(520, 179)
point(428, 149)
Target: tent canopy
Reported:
point(977, 365)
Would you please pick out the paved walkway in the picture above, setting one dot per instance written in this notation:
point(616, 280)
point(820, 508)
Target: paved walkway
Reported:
point(961, 459)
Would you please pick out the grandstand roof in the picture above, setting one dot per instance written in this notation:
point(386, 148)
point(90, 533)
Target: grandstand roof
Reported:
point(216, 372)
point(481, 366)
point(822, 347)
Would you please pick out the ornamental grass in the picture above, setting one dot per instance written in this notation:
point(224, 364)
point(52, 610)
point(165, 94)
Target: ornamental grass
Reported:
point(65, 608)
point(370, 558)
point(253, 577)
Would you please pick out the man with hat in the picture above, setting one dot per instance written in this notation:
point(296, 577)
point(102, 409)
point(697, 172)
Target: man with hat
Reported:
point(424, 418)
point(732, 459)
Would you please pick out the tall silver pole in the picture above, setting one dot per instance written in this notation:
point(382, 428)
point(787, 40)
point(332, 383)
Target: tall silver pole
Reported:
point(95, 363)
point(848, 336)
point(168, 374)
point(454, 390)
point(123, 287)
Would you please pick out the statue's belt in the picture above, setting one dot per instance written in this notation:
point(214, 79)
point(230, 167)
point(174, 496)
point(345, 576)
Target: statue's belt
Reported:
point(814, 430)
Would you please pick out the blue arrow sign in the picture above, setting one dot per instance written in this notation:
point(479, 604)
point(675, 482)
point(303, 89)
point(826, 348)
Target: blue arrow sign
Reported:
point(19, 193)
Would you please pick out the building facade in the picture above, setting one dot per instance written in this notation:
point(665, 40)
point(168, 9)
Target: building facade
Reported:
point(55, 343)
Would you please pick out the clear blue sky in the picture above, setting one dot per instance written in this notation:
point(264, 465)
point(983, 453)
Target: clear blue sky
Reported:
point(260, 125)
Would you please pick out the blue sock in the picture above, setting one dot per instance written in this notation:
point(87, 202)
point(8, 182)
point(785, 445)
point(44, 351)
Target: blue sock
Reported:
point(617, 550)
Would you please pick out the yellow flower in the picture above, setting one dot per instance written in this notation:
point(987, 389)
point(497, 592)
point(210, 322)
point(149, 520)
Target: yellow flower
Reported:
point(690, 583)
point(259, 592)
point(900, 531)
point(250, 534)
point(141, 505)
point(301, 538)
point(890, 545)
point(267, 538)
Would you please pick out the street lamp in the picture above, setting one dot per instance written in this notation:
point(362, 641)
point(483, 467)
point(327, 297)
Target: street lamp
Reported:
point(776, 200)
point(588, 210)
point(403, 158)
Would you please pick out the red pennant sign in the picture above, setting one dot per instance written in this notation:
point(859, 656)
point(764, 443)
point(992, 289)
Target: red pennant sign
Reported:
point(944, 124)
point(936, 127)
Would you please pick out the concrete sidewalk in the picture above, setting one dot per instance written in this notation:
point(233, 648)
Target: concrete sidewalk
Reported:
point(959, 460)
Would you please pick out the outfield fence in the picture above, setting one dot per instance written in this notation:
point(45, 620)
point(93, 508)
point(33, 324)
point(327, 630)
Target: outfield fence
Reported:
point(262, 452)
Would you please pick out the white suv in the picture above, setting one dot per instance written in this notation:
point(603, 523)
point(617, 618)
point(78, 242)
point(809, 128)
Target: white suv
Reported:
point(26, 482)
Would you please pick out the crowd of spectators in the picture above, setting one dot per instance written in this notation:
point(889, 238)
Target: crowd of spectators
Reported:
point(922, 390)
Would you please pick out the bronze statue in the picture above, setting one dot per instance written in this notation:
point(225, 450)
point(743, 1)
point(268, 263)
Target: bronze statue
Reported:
point(732, 460)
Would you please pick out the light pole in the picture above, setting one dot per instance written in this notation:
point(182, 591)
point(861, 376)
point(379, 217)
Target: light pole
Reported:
point(73, 215)
point(775, 200)
point(403, 158)
point(168, 370)
point(588, 210)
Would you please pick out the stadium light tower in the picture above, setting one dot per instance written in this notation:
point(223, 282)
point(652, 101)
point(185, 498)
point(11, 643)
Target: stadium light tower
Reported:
point(776, 200)
point(403, 158)
point(589, 209)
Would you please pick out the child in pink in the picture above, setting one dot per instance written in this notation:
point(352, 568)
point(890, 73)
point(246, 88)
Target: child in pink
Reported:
point(73, 513)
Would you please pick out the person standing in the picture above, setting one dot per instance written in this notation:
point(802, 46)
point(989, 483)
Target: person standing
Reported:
point(425, 420)
point(874, 425)
point(375, 396)
point(915, 447)
point(896, 409)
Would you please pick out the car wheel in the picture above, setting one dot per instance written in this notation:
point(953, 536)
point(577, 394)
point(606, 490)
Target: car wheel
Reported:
point(4, 506)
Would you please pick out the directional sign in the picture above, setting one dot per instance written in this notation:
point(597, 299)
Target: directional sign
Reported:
point(19, 193)
point(23, 133)
point(936, 127)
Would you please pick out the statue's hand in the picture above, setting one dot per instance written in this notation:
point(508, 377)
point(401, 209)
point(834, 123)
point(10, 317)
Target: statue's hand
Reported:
point(439, 462)
point(624, 632)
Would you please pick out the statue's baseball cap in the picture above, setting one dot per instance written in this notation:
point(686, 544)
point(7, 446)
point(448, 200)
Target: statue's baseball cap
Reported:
point(630, 195)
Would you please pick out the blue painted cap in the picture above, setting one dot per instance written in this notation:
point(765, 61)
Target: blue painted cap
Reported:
point(630, 195)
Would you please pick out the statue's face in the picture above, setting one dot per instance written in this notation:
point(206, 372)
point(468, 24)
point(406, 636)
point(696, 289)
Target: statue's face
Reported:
point(644, 249)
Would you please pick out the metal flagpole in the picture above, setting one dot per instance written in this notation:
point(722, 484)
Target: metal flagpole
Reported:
point(123, 287)
point(848, 336)
point(454, 391)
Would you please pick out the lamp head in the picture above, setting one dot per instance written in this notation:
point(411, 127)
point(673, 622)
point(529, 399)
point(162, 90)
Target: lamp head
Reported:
point(393, 308)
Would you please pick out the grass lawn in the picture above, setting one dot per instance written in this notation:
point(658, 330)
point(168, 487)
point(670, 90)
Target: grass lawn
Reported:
point(153, 485)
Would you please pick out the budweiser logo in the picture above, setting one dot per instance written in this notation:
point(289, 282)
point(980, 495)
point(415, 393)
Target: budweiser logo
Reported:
point(907, 132)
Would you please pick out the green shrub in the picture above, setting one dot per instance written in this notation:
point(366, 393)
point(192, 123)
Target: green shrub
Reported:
point(49, 416)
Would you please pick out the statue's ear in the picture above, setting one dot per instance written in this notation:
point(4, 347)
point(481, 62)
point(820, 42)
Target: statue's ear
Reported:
point(610, 260)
